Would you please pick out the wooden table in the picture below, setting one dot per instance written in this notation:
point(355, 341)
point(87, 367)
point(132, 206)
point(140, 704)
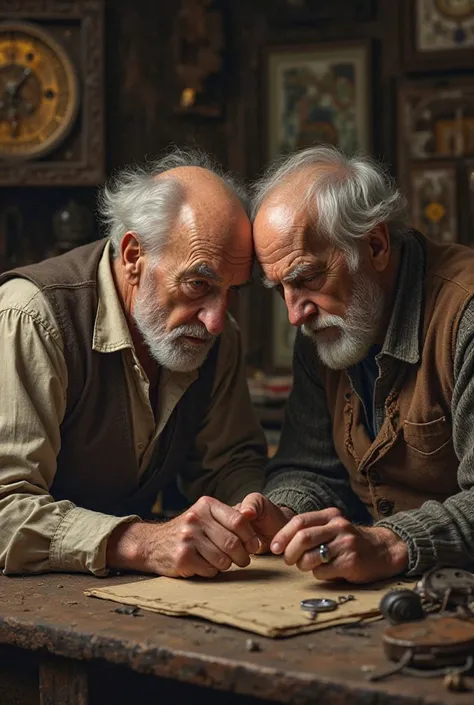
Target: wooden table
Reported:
point(59, 647)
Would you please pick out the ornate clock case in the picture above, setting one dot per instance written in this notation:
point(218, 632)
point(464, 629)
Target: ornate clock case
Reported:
point(51, 92)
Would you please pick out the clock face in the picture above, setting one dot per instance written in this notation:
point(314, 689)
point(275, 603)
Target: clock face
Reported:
point(39, 94)
point(456, 9)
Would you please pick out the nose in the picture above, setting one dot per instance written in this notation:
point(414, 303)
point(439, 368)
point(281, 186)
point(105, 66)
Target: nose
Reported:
point(213, 315)
point(299, 308)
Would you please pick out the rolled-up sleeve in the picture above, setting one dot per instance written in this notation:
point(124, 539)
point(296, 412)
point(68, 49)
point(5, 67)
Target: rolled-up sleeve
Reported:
point(230, 451)
point(38, 534)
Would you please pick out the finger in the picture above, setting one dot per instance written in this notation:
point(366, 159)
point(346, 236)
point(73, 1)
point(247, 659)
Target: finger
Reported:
point(263, 546)
point(229, 544)
point(190, 563)
point(308, 540)
point(235, 523)
point(330, 571)
point(201, 567)
point(298, 523)
point(253, 506)
point(213, 555)
point(311, 559)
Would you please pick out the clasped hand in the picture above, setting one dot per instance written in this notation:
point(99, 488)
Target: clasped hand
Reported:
point(210, 536)
point(358, 554)
point(205, 539)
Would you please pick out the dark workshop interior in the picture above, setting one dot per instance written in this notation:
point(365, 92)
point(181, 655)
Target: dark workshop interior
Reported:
point(246, 81)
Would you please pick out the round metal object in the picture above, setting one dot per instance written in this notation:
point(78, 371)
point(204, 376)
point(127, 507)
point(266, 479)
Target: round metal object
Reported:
point(399, 606)
point(437, 583)
point(322, 604)
point(434, 642)
point(324, 553)
point(39, 91)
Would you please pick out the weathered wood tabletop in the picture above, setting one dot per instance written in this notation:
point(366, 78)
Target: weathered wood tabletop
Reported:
point(58, 644)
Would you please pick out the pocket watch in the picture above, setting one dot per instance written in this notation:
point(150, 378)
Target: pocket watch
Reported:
point(39, 92)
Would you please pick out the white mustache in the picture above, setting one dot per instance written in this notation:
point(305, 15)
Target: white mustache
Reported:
point(192, 331)
point(326, 322)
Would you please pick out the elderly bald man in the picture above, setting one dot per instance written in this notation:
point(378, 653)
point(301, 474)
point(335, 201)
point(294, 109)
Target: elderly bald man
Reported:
point(377, 450)
point(121, 369)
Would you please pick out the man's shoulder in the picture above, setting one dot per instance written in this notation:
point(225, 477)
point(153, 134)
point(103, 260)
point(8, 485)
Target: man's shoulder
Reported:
point(23, 295)
point(24, 299)
point(452, 264)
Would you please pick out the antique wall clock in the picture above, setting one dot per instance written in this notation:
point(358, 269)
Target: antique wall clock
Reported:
point(51, 92)
point(39, 91)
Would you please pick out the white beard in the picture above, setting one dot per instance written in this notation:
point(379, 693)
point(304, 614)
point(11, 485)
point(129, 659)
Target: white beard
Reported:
point(356, 333)
point(169, 349)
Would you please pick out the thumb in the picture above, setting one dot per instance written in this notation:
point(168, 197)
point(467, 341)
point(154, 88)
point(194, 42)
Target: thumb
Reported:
point(252, 507)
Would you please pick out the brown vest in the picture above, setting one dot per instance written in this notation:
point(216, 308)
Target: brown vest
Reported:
point(412, 459)
point(97, 467)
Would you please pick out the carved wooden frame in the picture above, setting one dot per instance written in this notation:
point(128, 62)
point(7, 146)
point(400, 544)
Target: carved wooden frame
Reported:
point(423, 61)
point(89, 170)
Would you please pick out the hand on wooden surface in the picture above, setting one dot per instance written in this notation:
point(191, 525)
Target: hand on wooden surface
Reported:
point(358, 554)
point(205, 540)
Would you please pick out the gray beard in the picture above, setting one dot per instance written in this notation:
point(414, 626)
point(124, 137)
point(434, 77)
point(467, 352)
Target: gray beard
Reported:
point(168, 348)
point(357, 332)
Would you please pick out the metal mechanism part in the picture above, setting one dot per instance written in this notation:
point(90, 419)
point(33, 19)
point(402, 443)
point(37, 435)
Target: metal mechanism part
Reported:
point(342, 599)
point(398, 606)
point(447, 586)
point(315, 605)
point(438, 646)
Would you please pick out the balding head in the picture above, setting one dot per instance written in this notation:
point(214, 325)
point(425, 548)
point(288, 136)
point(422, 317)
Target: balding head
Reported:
point(147, 200)
point(182, 241)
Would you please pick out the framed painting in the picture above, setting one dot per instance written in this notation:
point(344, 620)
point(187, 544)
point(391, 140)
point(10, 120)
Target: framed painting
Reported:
point(314, 94)
point(318, 94)
point(435, 121)
point(433, 199)
point(438, 33)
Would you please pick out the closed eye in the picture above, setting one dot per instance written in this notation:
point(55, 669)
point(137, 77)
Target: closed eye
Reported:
point(196, 287)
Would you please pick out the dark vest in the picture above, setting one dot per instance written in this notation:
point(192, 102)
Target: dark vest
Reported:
point(97, 466)
point(412, 459)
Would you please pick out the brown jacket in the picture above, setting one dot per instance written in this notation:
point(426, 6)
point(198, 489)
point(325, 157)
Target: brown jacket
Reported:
point(412, 459)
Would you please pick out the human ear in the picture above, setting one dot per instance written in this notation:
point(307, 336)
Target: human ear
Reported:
point(379, 247)
point(131, 254)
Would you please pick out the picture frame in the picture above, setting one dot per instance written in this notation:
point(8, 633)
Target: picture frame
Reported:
point(437, 34)
point(434, 201)
point(313, 94)
point(318, 93)
point(435, 135)
point(435, 121)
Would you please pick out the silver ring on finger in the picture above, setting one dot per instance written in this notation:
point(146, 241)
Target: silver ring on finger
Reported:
point(324, 553)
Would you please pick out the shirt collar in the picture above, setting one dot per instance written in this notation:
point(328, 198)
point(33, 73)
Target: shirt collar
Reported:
point(111, 331)
point(402, 339)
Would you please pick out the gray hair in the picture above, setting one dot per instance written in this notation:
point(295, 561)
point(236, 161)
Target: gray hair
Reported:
point(347, 200)
point(135, 201)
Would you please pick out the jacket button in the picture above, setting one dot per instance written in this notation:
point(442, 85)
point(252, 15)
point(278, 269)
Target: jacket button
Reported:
point(384, 507)
point(374, 477)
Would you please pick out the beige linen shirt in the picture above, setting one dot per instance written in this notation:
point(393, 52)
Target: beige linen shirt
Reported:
point(40, 534)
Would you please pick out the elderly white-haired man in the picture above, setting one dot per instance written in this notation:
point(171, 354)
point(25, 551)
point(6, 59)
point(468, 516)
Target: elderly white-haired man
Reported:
point(376, 458)
point(121, 369)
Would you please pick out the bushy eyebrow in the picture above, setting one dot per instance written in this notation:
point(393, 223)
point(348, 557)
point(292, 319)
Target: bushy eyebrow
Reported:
point(203, 270)
point(297, 272)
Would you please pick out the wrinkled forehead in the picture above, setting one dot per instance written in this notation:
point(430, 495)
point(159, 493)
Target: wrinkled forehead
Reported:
point(280, 226)
point(211, 239)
